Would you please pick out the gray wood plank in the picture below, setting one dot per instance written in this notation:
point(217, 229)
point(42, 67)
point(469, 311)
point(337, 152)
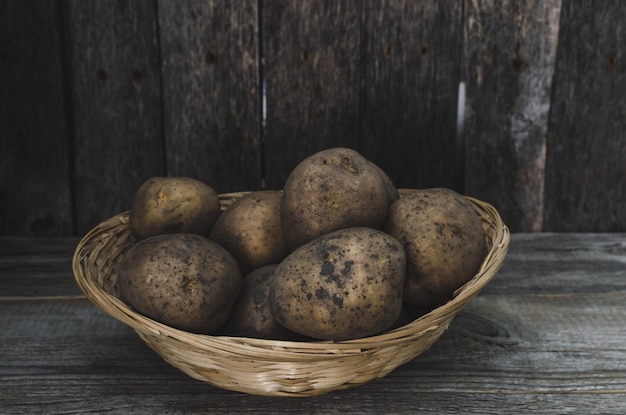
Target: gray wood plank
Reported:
point(586, 153)
point(538, 361)
point(37, 267)
point(35, 184)
point(311, 52)
point(509, 58)
point(410, 73)
point(211, 93)
point(540, 344)
point(572, 263)
point(116, 105)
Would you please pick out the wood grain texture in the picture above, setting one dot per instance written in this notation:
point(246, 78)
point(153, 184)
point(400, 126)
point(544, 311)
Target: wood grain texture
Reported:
point(211, 93)
point(116, 104)
point(509, 58)
point(410, 74)
point(35, 192)
point(98, 96)
point(572, 263)
point(532, 342)
point(545, 365)
point(586, 157)
point(37, 267)
point(311, 69)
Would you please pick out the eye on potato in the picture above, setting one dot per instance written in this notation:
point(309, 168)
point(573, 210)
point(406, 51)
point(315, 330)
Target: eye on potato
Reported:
point(444, 243)
point(173, 205)
point(343, 285)
point(183, 280)
point(250, 229)
point(330, 190)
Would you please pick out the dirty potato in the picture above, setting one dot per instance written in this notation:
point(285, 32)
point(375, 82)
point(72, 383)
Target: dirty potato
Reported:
point(183, 280)
point(173, 205)
point(343, 285)
point(444, 243)
point(251, 316)
point(251, 231)
point(330, 190)
point(392, 190)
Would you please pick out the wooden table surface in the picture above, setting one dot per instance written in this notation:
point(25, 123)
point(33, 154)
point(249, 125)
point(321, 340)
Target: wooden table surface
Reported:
point(547, 335)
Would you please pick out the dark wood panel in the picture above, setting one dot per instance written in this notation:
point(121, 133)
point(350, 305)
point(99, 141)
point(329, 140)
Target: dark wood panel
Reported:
point(410, 74)
point(35, 196)
point(116, 104)
point(98, 96)
point(586, 154)
point(509, 58)
point(311, 52)
point(211, 93)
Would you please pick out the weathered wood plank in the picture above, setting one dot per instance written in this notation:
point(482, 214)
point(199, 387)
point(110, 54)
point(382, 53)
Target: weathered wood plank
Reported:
point(410, 74)
point(116, 104)
point(550, 263)
point(504, 352)
point(586, 154)
point(311, 53)
point(35, 185)
point(211, 93)
point(541, 344)
point(509, 58)
point(37, 267)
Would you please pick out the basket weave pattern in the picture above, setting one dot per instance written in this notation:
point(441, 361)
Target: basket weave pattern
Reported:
point(271, 367)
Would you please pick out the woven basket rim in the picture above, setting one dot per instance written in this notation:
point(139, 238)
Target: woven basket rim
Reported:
point(113, 235)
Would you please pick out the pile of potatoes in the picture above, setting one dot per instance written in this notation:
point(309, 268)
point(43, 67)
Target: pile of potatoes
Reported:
point(336, 255)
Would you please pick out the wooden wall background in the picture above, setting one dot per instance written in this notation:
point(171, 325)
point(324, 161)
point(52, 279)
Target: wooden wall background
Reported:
point(98, 96)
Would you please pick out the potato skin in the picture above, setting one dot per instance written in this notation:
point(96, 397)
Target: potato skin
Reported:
point(444, 243)
point(183, 280)
point(164, 205)
point(343, 285)
point(251, 316)
point(330, 190)
point(250, 229)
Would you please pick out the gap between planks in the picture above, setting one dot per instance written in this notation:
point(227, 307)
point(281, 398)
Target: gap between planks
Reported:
point(617, 391)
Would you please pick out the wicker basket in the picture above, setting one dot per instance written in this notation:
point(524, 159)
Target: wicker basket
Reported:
point(270, 367)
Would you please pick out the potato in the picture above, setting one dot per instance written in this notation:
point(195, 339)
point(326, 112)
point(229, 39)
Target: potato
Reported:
point(343, 285)
point(164, 205)
point(330, 190)
point(183, 280)
point(251, 316)
point(251, 231)
point(403, 319)
point(444, 243)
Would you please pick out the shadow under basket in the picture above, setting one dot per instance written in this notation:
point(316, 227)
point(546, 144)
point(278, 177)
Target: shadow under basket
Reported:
point(272, 367)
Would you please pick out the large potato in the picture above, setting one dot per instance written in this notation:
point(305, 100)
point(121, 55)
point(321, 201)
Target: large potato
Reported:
point(173, 205)
point(330, 190)
point(183, 280)
point(251, 231)
point(343, 285)
point(251, 316)
point(444, 243)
